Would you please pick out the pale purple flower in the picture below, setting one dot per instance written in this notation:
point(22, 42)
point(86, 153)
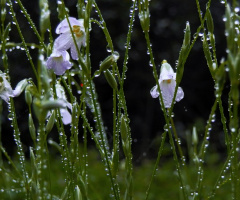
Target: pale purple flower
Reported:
point(59, 62)
point(66, 116)
point(167, 82)
point(6, 90)
point(65, 40)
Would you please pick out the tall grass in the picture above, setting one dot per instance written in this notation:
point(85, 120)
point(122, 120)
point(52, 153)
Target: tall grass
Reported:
point(35, 173)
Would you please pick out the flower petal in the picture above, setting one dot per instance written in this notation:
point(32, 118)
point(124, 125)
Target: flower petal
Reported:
point(74, 52)
point(168, 92)
point(6, 84)
point(5, 95)
point(167, 72)
point(66, 116)
point(63, 42)
point(59, 62)
point(180, 94)
point(154, 92)
point(64, 26)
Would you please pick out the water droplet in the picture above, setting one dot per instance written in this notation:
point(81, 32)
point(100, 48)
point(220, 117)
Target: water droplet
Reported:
point(233, 130)
point(237, 9)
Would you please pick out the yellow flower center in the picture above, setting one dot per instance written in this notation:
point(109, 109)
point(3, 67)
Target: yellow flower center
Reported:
point(58, 58)
point(168, 81)
point(77, 31)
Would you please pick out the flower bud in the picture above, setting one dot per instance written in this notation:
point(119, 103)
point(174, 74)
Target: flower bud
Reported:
point(33, 161)
point(230, 32)
point(40, 113)
point(183, 53)
point(187, 36)
point(124, 130)
point(77, 193)
point(6, 31)
point(82, 186)
point(209, 21)
point(110, 79)
point(45, 80)
point(219, 76)
point(28, 97)
point(115, 162)
point(50, 122)
point(144, 19)
point(52, 104)
point(194, 136)
point(208, 54)
point(45, 16)
point(3, 14)
point(55, 144)
point(20, 87)
point(61, 10)
point(32, 128)
point(64, 194)
point(108, 62)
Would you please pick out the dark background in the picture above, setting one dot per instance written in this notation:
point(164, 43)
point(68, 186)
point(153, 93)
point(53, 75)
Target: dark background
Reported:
point(168, 21)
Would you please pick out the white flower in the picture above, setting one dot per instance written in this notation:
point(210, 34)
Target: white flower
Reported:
point(65, 40)
point(66, 116)
point(59, 62)
point(6, 90)
point(167, 82)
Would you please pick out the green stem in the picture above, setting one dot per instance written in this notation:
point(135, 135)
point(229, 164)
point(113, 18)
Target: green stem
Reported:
point(156, 163)
point(223, 119)
point(234, 131)
point(103, 139)
point(16, 134)
point(23, 41)
point(178, 141)
point(10, 162)
point(204, 147)
point(64, 147)
point(31, 24)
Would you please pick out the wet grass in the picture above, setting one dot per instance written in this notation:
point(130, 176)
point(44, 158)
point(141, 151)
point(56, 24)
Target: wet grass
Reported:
point(164, 186)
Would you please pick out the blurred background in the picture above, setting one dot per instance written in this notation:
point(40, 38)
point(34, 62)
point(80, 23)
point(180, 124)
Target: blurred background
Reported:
point(167, 24)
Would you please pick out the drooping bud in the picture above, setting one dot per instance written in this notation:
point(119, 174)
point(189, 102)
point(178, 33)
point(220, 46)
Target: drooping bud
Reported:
point(109, 61)
point(111, 80)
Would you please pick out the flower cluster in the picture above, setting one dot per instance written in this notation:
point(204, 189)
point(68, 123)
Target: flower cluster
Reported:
point(59, 60)
point(167, 82)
